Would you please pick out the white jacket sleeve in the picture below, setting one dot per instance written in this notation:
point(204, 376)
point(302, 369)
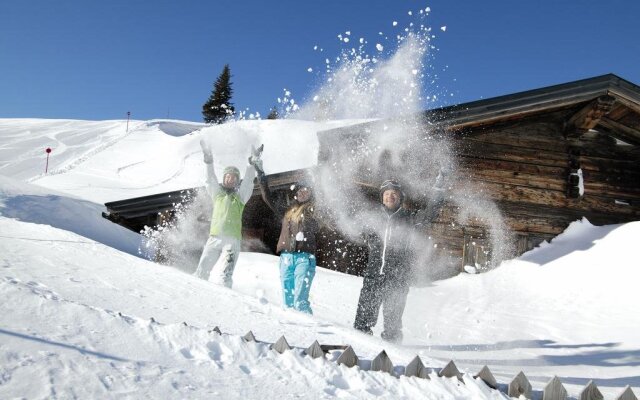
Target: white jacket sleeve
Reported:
point(213, 186)
point(246, 187)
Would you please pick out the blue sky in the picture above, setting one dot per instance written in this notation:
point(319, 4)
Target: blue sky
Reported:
point(99, 59)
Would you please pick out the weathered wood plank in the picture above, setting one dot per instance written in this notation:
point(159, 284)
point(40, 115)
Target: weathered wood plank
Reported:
point(348, 358)
point(382, 363)
point(603, 146)
point(416, 368)
point(516, 154)
point(626, 133)
point(540, 213)
point(591, 392)
point(521, 218)
point(596, 183)
point(511, 166)
point(314, 351)
point(514, 178)
point(553, 198)
point(487, 377)
point(451, 370)
point(249, 337)
point(608, 165)
point(589, 116)
point(544, 137)
point(554, 390)
point(281, 345)
point(625, 183)
point(551, 177)
point(603, 201)
point(520, 386)
point(490, 152)
point(627, 394)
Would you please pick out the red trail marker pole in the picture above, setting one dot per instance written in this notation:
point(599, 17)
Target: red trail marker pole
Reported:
point(46, 168)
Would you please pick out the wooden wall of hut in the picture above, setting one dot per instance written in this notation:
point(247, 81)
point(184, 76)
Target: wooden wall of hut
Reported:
point(529, 167)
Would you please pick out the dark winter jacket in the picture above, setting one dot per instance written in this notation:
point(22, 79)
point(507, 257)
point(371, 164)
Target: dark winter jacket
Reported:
point(389, 240)
point(389, 246)
point(295, 236)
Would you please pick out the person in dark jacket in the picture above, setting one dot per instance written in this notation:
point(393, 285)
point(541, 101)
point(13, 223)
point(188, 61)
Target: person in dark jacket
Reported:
point(296, 244)
point(390, 259)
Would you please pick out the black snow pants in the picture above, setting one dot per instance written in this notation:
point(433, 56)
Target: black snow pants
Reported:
point(379, 290)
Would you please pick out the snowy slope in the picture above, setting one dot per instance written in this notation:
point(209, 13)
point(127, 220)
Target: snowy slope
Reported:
point(102, 161)
point(568, 308)
point(31, 203)
point(62, 334)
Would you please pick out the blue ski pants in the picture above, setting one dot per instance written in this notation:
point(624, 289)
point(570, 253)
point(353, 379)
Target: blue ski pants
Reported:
point(296, 274)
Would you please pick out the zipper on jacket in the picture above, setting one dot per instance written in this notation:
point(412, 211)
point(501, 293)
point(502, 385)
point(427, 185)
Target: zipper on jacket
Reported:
point(387, 233)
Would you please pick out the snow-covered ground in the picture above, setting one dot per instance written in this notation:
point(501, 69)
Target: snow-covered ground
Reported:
point(77, 300)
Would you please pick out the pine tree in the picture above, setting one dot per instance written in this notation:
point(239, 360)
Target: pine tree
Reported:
point(219, 107)
point(273, 114)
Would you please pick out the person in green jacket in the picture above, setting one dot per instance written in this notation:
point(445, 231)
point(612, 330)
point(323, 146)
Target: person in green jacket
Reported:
point(222, 249)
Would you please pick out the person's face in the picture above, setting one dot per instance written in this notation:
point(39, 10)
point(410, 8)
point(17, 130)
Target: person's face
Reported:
point(229, 181)
point(391, 199)
point(303, 194)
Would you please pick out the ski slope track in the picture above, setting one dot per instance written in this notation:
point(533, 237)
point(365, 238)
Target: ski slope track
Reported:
point(77, 299)
point(101, 146)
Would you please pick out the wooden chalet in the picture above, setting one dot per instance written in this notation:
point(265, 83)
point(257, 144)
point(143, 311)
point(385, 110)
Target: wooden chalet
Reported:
point(546, 157)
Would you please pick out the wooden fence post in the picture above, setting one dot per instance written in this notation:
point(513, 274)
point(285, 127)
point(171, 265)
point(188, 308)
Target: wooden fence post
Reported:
point(382, 363)
point(348, 358)
point(520, 386)
point(249, 337)
point(591, 392)
point(554, 390)
point(627, 394)
point(450, 370)
point(314, 351)
point(487, 377)
point(416, 368)
point(281, 345)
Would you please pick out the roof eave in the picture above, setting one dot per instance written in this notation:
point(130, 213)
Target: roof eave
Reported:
point(529, 102)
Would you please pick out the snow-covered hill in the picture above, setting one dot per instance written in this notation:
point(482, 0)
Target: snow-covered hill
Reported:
point(77, 303)
point(102, 161)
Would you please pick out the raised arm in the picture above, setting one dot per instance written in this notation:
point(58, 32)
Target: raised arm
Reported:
point(436, 198)
point(246, 187)
point(267, 196)
point(212, 184)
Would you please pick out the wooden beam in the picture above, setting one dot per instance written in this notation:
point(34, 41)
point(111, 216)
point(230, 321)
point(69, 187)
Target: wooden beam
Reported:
point(588, 117)
point(620, 131)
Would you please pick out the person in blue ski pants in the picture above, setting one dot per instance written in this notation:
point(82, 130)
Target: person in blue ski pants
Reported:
point(297, 241)
point(296, 274)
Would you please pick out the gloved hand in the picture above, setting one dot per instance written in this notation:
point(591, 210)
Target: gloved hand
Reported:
point(206, 152)
point(257, 164)
point(443, 177)
point(255, 159)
